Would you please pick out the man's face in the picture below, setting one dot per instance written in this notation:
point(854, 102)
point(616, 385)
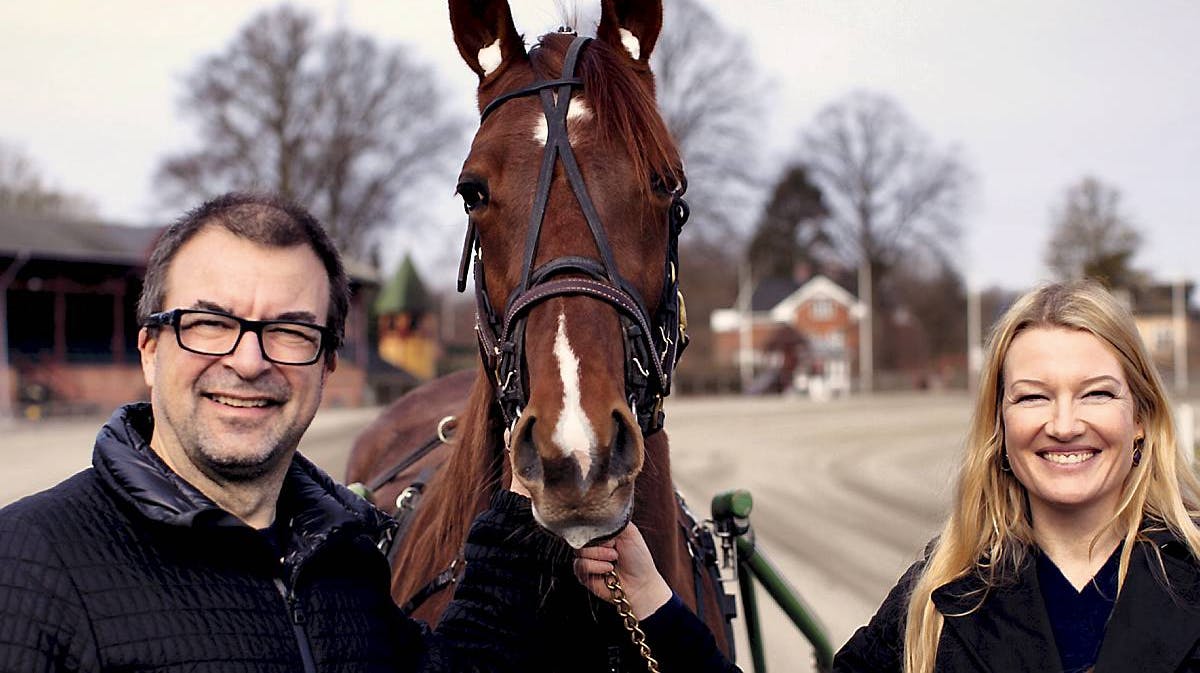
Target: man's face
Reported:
point(235, 417)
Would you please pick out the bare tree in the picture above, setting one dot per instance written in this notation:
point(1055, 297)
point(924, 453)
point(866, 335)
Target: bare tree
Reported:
point(710, 93)
point(892, 195)
point(24, 190)
point(349, 128)
point(1091, 237)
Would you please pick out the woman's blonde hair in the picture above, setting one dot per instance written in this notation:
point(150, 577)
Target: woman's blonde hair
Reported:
point(988, 532)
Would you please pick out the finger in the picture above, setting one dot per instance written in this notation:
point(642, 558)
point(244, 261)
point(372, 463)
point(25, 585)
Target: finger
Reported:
point(585, 567)
point(518, 487)
point(597, 553)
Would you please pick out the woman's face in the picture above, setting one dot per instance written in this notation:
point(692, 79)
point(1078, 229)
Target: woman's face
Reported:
point(1069, 422)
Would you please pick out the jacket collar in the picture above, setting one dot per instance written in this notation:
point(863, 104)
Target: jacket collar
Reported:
point(1010, 632)
point(1156, 615)
point(134, 472)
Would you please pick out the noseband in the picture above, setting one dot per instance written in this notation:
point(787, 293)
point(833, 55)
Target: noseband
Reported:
point(653, 343)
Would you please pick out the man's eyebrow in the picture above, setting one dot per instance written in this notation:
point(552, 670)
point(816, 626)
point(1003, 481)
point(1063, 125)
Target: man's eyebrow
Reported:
point(298, 316)
point(211, 306)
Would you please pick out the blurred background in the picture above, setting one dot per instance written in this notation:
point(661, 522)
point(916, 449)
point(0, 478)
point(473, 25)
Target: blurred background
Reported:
point(871, 185)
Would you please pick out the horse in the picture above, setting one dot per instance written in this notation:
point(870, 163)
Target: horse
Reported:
point(573, 189)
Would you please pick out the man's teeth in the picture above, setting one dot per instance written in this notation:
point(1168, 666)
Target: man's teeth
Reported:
point(1068, 458)
point(238, 402)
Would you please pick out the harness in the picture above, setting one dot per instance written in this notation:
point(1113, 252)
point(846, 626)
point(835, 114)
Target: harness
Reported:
point(653, 343)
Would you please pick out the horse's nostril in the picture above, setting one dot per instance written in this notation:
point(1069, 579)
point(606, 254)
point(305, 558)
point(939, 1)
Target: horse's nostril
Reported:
point(623, 451)
point(526, 462)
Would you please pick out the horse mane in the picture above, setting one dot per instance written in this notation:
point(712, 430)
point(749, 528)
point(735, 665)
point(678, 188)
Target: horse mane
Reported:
point(623, 104)
point(461, 489)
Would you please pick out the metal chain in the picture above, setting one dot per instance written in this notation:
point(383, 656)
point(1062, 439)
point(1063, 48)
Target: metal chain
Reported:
point(631, 623)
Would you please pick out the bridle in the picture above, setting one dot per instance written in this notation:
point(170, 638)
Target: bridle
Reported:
point(653, 343)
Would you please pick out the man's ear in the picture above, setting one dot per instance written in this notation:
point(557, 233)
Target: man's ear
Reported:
point(329, 367)
point(148, 347)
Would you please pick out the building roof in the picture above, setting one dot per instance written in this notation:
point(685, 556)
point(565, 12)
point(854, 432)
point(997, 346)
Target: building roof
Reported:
point(1157, 298)
point(771, 291)
point(816, 287)
point(59, 239)
point(70, 240)
point(405, 292)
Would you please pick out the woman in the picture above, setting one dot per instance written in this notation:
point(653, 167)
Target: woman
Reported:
point(1072, 544)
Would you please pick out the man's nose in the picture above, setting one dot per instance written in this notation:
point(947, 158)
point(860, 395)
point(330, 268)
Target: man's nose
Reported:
point(247, 357)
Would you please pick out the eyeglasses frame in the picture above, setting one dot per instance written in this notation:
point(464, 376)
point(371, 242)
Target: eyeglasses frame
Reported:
point(173, 317)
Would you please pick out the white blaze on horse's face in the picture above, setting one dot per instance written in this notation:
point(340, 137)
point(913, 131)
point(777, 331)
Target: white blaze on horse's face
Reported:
point(490, 58)
point(576, 113)
point(573, 434)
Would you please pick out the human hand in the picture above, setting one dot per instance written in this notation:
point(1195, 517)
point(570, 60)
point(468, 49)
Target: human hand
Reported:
point(519, 488)
point(645, 588)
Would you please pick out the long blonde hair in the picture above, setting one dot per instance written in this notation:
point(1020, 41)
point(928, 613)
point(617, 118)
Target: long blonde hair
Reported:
point(988, 532)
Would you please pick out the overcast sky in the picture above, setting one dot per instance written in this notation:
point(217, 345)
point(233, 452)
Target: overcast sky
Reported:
point(1033, 94)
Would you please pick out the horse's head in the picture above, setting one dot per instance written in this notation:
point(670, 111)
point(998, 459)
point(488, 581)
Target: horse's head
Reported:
point(572, 188)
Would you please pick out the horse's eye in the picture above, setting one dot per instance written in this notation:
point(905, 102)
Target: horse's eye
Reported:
point(474, 194)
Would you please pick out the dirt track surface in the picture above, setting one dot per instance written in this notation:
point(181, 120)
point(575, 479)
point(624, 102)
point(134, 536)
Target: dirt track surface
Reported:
point(846, 493)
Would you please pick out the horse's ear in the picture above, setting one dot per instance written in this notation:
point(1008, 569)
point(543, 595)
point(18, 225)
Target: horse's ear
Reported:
point(485, 34)
point(631, 26)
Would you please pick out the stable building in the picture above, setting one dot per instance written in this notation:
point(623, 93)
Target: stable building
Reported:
point(68, 318)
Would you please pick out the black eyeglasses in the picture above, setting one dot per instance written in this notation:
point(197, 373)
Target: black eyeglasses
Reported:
point(284, 342)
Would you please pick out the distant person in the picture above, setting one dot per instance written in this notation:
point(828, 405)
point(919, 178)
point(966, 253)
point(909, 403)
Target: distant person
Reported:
point(201, 541)
point(1072, 544)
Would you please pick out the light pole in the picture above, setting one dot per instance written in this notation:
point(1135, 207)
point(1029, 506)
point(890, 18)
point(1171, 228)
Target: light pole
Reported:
point(745, 324)
point(6, 279)
point(974, 334)
point(866, 338)
point(1179, 315)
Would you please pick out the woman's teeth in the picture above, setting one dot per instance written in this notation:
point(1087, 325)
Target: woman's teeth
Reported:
point(1068, 458)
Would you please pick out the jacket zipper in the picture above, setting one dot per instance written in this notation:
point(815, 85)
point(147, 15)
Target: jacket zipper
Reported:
point(296, 617)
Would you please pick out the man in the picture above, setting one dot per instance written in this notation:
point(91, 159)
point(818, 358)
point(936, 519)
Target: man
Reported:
point(199, 540)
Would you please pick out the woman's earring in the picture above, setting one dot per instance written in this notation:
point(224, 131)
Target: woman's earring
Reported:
point(1004, 465)
point(1137, 450)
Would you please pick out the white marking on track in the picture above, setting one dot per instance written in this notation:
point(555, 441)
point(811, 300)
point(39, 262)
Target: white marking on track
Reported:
point(579, 111)
point(573, 434)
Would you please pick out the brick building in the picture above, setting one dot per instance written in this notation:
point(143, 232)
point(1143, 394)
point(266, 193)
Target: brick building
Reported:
point(799, 336)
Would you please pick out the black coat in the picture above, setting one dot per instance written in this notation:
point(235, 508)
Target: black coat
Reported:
point(1154, 626)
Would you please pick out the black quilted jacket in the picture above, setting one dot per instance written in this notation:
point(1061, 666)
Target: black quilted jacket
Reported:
point(126, 567)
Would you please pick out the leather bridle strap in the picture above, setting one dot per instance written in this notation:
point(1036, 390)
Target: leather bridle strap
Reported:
point(587, 287)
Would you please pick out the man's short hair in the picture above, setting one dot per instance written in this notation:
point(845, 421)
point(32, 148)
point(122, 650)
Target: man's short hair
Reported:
point(265, 219)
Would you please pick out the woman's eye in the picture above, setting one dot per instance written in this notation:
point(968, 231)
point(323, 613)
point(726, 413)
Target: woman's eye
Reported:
point(1100, 395)
point(1029, 397)
point(474, 194)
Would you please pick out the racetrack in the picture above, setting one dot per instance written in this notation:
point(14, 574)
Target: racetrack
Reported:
point(846, 493)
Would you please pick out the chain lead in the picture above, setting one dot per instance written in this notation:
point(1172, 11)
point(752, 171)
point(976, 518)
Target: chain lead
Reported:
point(631, 623)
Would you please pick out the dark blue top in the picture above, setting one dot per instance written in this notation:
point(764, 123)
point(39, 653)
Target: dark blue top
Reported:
point(1078, 618)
